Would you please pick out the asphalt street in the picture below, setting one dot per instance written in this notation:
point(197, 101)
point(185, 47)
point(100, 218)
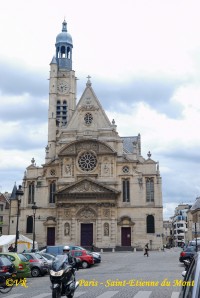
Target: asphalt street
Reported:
point(120, 275)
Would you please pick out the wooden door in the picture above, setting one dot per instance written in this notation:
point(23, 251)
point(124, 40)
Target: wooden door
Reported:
point(50, 236)
point(126, 236)
point(86, 234)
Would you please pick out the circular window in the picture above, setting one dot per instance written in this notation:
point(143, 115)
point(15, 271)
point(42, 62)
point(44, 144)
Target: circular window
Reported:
point(88, 118)
point(125, 169)
point(87, 161)
point(52, 172)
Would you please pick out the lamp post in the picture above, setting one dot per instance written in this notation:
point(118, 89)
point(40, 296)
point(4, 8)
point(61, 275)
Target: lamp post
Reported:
point(34, 207)
point(19, 192)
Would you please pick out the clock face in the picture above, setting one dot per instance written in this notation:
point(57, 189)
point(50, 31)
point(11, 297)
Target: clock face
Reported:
point(63, 87)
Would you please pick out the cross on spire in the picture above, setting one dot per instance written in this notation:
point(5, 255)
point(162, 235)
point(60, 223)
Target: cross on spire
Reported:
point(88, 84)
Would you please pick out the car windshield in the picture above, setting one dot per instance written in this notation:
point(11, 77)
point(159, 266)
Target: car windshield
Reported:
point(5, 261)
point(59, 261)
point(38, 256)
point(190, 248)
point(23, 258)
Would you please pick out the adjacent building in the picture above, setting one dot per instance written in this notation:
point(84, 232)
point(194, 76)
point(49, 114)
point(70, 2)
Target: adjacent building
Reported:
point(94, 186)
point(4, 213)
point(180, 224)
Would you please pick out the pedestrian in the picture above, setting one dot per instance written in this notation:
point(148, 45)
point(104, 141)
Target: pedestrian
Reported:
point(11, 248)
point(92, 247)
point(146, 250)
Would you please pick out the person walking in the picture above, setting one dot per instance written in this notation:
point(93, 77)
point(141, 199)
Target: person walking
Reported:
point(146, 250)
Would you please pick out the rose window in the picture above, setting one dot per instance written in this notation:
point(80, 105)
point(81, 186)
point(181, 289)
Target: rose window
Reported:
point(125, 169)
point(88, 118)
point(87, 161)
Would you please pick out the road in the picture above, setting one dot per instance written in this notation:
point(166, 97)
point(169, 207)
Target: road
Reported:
point(120, 275)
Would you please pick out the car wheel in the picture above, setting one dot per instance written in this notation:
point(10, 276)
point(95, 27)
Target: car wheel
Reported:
point(35, 272)
point(84, 265)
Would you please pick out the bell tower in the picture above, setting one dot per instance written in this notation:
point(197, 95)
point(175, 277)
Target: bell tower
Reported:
point(62, 89)
point(64, 47)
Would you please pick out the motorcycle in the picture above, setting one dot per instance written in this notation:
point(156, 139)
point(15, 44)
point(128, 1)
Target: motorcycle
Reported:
point(62, 277)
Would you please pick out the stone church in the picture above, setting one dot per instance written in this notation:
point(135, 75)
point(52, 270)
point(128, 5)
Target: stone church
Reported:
point(94, 186)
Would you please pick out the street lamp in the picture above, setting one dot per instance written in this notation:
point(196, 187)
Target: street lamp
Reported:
point(19, 192)
point(34, 207)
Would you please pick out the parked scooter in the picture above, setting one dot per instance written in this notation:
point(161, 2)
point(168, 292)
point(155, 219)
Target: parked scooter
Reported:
point(62, 276)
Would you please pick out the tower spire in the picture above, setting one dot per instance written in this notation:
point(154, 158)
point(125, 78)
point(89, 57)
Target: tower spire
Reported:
point(64, 47)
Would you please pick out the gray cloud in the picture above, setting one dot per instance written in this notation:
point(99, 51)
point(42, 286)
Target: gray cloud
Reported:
point(156, 92)
point(16, 79)
point(22, 140)
point(33, 110)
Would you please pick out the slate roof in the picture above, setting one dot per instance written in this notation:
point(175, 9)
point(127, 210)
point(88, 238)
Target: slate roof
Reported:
point(128, 143)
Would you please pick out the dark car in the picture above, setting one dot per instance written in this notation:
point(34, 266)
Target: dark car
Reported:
point(191, 283)
point(188, 253)
point(6, 266)
point(37, 264)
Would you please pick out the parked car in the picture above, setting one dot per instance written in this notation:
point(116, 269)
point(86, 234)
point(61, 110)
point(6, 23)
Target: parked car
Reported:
point(21, 263)
point(54, 250)
point(96, 255)
point(86, 259)
point(191, 283)
point(6, 266)
point(37, 264)
point(194, 241)
point(188, 253)
point(48, 257)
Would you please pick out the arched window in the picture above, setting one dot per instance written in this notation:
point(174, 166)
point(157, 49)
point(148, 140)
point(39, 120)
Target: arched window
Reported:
point(31, 192)
point(68, 53)
point(149, 190)
point(106, 229)
point(126, 190)
point(52, 190)
point(63, 54)
point(29, 224)
point(61, 113)
point(150, 224)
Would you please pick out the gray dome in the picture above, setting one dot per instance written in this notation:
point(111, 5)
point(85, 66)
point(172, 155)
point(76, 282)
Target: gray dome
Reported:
point(64, 36)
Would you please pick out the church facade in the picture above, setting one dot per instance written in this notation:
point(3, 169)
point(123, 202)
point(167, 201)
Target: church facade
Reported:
point(94, 186)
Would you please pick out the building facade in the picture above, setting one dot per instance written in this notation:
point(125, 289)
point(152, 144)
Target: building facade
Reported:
point(180, 224)
point(94, 186)
point(4, 213)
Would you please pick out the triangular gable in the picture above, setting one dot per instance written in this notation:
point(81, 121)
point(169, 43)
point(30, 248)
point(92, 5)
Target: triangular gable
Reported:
point(87, 186)
point(150, 161)
point(95, 145)
point(89, 103)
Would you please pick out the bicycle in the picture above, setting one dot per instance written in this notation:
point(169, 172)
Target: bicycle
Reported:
point(5, 285)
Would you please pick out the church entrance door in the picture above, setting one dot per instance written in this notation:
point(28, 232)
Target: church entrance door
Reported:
point(86, 234)
point(126, 236)
point(50, 236)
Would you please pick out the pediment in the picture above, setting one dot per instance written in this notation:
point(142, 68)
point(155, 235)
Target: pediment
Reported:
point(150, 161)
point(78, 146)
point(89, 103)
point(87, 186)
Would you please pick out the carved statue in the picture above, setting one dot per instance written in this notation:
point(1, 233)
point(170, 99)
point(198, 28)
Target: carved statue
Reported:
point(106, 229)
point(67, 229)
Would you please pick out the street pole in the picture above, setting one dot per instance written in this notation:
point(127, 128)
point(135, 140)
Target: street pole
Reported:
point(34, 207)
point(195, 225)
point(19, 192)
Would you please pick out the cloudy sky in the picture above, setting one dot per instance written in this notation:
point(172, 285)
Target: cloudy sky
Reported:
point(144, 60)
